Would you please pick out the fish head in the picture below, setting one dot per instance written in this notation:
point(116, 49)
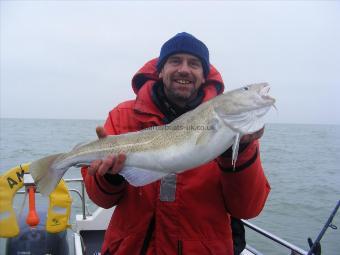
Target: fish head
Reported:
point(242, 109)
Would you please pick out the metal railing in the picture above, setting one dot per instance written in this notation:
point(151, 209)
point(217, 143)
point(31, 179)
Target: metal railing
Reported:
point(80, 194)
point(315, 247)
point(293, 248)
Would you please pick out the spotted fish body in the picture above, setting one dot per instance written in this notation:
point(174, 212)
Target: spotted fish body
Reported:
point(191, 140)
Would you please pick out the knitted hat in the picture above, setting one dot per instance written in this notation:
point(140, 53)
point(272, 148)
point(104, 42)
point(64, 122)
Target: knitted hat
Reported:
point(184, 43)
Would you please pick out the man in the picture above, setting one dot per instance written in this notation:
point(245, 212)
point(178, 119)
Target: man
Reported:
point(187, 213)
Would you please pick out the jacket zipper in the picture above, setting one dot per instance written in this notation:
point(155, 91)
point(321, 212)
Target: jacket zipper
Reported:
point(179, 247)
point(148, 236)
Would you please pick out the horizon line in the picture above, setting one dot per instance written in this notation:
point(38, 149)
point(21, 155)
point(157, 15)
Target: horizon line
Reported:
point(87, 119)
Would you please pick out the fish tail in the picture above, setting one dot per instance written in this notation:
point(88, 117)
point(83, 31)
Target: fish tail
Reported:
point(45, 173)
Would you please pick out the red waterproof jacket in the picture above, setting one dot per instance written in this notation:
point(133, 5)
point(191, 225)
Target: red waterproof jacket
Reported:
point(198, 220)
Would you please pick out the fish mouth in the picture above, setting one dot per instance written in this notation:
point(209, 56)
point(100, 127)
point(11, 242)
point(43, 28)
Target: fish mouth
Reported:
point(265, 90)
point(264, 93)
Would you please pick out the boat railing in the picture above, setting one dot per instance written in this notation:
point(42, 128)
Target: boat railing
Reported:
point(293, 248)
point(81, 194)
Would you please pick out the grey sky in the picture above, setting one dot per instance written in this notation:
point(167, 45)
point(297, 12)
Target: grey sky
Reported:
point(75, 59)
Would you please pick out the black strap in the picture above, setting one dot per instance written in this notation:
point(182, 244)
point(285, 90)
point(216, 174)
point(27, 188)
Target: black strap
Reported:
point(179, 247)
point(103, 190)
point(241, 167)
point(239, 237)
point(148, 236)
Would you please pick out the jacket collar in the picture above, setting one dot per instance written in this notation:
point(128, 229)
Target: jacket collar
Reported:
point(170, 110)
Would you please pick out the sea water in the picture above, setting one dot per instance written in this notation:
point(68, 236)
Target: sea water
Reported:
point(300, 161)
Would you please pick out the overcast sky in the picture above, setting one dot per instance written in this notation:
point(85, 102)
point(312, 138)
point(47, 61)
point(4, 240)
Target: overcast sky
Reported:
point(75, 59)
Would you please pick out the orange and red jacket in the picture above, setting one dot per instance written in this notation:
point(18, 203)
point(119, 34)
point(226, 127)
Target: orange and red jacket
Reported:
point(198, 220)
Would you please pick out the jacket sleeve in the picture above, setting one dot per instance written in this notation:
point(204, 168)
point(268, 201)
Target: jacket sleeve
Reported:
point(107, 190)
point(245, 187)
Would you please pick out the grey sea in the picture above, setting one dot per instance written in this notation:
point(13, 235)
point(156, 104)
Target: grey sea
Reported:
point(300, 161)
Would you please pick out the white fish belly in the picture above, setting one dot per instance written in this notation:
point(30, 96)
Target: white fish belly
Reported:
point(145, 167)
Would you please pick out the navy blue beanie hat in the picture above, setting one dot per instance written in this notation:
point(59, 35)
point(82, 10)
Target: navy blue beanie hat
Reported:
point(184, 43)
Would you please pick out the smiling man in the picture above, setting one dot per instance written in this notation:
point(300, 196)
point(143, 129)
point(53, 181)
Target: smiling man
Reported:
point(186, 213)
point(182, 77)
point(183, 65)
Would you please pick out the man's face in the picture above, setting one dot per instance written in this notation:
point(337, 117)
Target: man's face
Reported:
point(182, 76)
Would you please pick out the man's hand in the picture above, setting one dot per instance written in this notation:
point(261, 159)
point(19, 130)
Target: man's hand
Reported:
point(251, 137)
point(112, 164)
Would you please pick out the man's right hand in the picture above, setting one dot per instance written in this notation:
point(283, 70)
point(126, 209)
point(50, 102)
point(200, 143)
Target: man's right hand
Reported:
point(112, 164)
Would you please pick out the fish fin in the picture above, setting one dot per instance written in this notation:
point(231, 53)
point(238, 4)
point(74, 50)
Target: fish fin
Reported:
point(203, 138)
point(139, 176)
point(214, 124)
point(46, 176)
point(206, 134)
point(235, 149)
point(78, 145)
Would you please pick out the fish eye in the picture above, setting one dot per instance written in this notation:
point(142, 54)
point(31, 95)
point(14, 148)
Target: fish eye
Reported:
point(245, 88)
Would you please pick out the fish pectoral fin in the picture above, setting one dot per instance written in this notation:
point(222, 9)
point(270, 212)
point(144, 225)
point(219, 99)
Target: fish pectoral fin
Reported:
point(208, 131)
point(139, 177)
point(203, 138)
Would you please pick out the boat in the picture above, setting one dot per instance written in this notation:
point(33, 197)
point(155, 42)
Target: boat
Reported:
point(85, 235)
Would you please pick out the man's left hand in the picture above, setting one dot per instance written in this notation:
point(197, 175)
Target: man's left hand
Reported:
point(251, 137)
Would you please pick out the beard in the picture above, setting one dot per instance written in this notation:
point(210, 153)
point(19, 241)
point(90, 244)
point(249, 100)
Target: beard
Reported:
point(180, 94)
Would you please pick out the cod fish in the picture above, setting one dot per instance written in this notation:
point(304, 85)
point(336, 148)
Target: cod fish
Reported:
point(191, 140)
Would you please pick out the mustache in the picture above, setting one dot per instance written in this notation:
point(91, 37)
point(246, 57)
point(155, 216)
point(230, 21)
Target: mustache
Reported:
point(184, 77)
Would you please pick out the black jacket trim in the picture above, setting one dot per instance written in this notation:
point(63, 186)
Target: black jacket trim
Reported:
point(170, 110)
point(241, 167)
point(148, 236)
point(103, 190)
point(114, 179)
point(228, 153)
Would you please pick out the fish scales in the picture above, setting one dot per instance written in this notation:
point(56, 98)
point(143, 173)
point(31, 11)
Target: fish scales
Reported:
point(157, 138)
